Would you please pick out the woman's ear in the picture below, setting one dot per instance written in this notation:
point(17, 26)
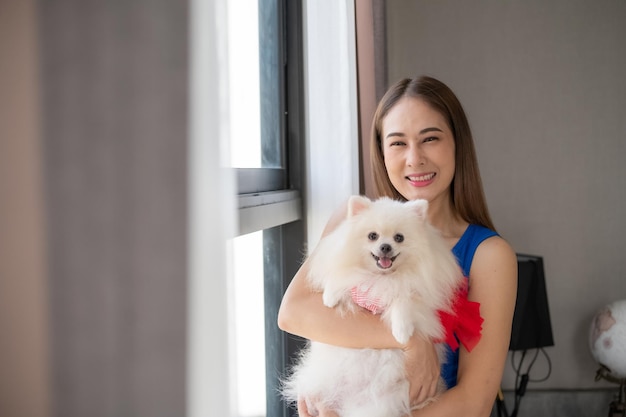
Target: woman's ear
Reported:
point(357, 203)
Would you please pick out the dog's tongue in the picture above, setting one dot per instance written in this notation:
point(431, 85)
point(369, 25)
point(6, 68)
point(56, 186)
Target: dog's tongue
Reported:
point(385, 262)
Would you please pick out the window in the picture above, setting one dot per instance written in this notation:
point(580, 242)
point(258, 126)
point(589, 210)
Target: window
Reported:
point(249, 325)
point(265, 130)
point(269, 192)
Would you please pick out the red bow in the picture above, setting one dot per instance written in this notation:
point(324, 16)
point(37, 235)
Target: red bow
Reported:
point(463, 323)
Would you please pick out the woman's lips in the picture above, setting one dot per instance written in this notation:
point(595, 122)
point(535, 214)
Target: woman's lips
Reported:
point(421, 180)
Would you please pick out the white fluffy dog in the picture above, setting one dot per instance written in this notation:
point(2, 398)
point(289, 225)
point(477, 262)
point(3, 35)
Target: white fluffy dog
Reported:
point(387, 256)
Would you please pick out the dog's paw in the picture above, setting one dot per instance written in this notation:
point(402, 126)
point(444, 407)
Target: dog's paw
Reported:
point(402, 331)
point(330, 299)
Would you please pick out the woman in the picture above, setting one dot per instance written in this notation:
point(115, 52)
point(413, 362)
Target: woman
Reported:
point(422, 147)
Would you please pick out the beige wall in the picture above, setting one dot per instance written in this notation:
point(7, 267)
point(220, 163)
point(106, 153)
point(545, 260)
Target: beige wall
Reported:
point(23, 308)
point(543, 84)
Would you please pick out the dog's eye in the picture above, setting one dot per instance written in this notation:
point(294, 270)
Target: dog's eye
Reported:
point(372, 236)
point(399, 238)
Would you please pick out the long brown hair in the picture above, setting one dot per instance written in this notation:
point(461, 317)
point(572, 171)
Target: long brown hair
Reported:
point(467, 195)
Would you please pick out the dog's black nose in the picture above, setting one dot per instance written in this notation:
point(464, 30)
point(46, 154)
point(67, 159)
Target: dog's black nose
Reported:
point(385, 248)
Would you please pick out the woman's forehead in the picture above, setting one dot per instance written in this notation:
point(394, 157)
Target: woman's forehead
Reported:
point(413, 114)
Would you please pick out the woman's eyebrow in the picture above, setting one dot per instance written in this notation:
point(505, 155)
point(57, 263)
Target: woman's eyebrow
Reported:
point(430, 129)
point(400, 134)
point(425, 130)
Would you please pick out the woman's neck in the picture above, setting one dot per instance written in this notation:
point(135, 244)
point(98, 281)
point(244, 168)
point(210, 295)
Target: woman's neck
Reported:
point(442, 215)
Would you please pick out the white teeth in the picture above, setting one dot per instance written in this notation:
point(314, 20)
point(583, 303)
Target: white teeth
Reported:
point(422, 177)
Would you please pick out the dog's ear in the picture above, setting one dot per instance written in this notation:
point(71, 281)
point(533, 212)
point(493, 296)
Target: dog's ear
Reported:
point(357, 204)
point(420, 207)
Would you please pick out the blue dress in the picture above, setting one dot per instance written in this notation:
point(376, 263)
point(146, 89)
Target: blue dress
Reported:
point(464, 251)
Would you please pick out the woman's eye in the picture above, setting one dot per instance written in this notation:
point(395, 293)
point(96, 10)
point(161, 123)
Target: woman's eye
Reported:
point(372, 236)
point(396, 143)
point(430, 139)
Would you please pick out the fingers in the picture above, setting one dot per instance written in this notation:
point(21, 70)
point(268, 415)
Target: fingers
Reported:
point(303, 410)
point(422, 369)
point(308, 409)
point(424, 395)
point(432, 391)
point(423, 389)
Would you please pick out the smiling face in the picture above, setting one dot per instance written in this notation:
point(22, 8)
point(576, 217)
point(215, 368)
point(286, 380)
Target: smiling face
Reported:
point(418, 151)
point(383, 249)
point(385, 230)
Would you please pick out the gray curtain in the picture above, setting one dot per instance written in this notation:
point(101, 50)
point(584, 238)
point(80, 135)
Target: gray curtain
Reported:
point(114, 112)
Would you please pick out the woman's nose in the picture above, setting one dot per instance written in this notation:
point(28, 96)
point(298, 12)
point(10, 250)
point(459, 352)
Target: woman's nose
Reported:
point(415, 157)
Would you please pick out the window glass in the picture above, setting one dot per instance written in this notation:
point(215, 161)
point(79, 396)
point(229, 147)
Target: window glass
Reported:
point(271, 69)
point(243, 55)
point(249, 324)
point(255, 84)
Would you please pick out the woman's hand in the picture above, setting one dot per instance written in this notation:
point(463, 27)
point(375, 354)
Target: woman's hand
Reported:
point(303, 410)
point(422, 369)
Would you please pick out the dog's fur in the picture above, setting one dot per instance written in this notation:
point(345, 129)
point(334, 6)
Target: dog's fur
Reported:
point(389, 249)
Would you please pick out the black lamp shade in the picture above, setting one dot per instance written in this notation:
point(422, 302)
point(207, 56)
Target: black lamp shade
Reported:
point(531, 321)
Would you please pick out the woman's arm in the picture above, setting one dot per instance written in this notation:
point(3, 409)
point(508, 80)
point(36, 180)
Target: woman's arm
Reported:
point(303, 313)
point(493, 283)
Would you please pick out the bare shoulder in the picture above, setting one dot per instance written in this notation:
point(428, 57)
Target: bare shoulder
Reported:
point(494, 255)
point(494, 271)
